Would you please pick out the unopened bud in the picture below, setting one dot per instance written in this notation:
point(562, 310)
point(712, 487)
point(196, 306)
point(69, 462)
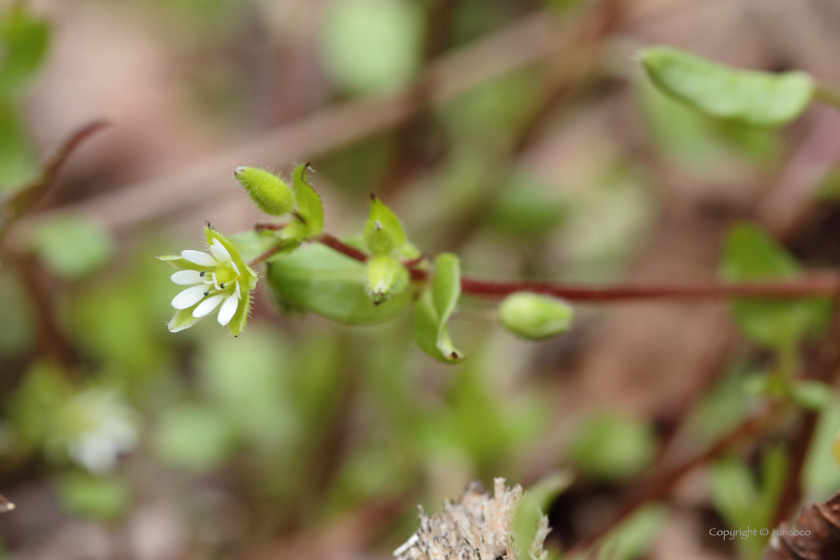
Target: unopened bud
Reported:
point(269, 192)
point(534, 316)
point(386, 277)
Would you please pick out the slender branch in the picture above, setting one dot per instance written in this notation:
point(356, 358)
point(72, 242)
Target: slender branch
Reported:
point(813, 285)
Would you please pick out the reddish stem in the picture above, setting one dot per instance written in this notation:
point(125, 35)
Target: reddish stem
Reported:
point(814, 285)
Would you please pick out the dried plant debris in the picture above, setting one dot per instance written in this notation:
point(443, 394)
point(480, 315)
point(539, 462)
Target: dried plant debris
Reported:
point(816, 535)
point(476, 527)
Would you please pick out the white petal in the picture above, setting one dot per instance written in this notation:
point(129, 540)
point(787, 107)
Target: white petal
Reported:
point(228, 309)
point(219, 251)
point(187, 277)
point(208, 305)
point(238, 292)
point(189, 297)
point(199, 258)
point(236, 270)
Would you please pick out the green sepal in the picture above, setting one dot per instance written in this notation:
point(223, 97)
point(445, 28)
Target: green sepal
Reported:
point(317, 279)
point(750, 97)
point(180, 263)
point(535, 316)
point(183, 319)
point(383, 231)
point(386, 277)
point(248, 275)
point(431, 332)
point(237, 323)
point(269, 192)
point(308, 218)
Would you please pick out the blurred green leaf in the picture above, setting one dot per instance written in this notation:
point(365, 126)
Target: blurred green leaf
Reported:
point(36, 404)
point(15, 310)
point(194, 437)
point(432, 312)
point(633, 537)
point(371, 46)
point(102, 498)
point(24, 39)
point(523, 211)
point(17, 161)
point(315, 278)
point(252, 244)
point(612, 447)
point(749, 254)
point(756, 98)
point(73, 247)
point(811, 395)
point(821, 475)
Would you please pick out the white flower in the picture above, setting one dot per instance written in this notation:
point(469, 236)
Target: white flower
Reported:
point(218, 279)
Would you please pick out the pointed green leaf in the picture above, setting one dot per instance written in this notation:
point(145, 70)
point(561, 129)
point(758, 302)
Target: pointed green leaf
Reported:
point(179, 262)
point(268, 191)
point(756, 98)
point(386, 277)
point(383, 231)
point(315, 278)
point(24, 39)
point(72, 246)
point(751, 255)
point(431, 332)
point(534, 316)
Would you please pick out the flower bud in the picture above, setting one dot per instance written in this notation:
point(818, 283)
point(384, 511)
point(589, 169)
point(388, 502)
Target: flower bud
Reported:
point(269, 192)
point(534, 316)
point(383, 231)
point(386, 277)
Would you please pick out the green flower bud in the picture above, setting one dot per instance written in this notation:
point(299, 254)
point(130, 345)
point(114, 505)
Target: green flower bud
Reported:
point(383, 231)
point(269, 192)
point(386, 277)
point(534, 316)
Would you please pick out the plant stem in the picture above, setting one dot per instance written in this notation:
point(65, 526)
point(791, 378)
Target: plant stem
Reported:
point(827, 95)
point(813, 285)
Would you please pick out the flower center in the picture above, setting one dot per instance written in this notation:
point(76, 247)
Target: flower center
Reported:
point(225, 276)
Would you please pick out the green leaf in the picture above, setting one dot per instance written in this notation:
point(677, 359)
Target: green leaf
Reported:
point(308, 219)
point(534, 316)
point(269, 192)
point(193, 437)
point(24, 39)
point(530, 512)
point(252, 244)
point(386, 277)
point(383, 231)
point(756, 98)
point(751, 255)
point(371, 46)
point(431, 332)
point(183, 319)
point(612, 447)
point(73, 246)
point(17, 160)
point(812, 395)
point(315, 278)
point(91, 496)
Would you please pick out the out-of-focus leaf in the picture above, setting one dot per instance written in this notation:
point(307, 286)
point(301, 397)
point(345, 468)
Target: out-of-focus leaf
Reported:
point(15, 310)
point(756, 98)
point(315, 278)
point(24, 39)
point(612, 447)
point(36, 404)
point(812, 395)
point(821, 475)
point(631, 539)
point(73, 246)
point(102, 498)
point(252, 244)
point(194, 437)
point(371, 46)
point(17, 162)
point(383, 231)
point(526, 213)
point(432, 312)
point(750, 255)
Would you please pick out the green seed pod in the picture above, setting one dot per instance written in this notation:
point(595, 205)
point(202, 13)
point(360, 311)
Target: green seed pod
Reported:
point(386, 277)
point(383, 231)
point(269, 192)
point(534, 316)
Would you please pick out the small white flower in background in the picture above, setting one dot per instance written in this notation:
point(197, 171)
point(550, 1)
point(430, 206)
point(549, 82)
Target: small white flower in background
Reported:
point(218, 279)
point(97, 428)
point(477, 527)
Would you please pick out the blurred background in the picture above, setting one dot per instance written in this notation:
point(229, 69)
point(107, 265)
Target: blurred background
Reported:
point(520, 134)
